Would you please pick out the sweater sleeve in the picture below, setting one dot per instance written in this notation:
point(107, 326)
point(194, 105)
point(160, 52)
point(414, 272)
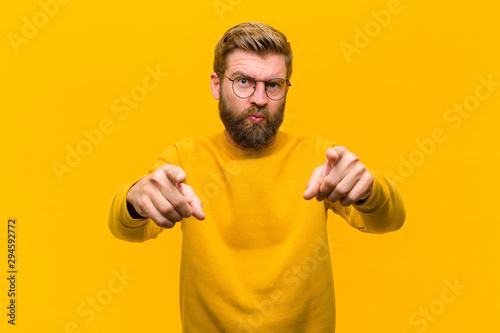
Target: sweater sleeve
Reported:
point(121, 224)
point(382, 212)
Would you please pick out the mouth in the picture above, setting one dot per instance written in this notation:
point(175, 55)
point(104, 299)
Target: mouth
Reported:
point(256, 118)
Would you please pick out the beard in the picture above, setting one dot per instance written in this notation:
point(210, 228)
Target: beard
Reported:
point(249, 135)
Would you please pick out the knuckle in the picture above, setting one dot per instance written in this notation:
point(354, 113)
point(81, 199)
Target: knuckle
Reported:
point(366, 180)
point(167, 210)
point(341, 149)
point(141, 211)
point(360, 170)
point(146, 192)
point(342, 189)
point(175, 218)
point(351, 198)
point(332, 197)
point(353, 159)
point(166, 223)
point(176, 201)
point(183, 210)
point(187, 211)
point(173, 170)
point(370, 178)
point(346, 202)
point(170, 213)
point(165, 167)
point(328, 182)
point(142, 202)
point(155, 178)
point(161, 209)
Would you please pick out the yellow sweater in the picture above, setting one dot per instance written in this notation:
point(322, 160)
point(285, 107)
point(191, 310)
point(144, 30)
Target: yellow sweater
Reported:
point(260, 261)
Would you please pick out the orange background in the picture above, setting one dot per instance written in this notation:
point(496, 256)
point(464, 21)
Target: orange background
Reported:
point(381, 92)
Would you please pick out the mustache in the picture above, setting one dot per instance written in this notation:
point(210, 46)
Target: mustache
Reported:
point(255, 109)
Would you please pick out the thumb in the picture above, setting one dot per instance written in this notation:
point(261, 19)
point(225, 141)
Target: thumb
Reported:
point(314, 183)
point(193, 200)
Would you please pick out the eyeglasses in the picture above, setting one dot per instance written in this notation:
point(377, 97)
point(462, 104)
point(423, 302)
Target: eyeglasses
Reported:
point(244, 87)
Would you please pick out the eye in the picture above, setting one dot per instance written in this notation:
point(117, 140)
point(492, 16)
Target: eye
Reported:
point(276, 84)
point(244, 82)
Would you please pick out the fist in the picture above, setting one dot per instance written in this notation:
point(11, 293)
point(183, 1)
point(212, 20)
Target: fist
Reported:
point(342, 178)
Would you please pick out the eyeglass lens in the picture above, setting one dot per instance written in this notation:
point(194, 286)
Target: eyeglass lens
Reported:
point(244, 87)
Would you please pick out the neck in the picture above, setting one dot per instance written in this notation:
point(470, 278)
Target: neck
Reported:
point(233, 143)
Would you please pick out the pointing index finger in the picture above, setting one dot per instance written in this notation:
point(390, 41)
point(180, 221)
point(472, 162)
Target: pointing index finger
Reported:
point(334, 154)
point(175, 174)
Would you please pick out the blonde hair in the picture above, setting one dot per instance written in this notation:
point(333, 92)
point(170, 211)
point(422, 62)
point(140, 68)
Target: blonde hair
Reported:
point(255, 37)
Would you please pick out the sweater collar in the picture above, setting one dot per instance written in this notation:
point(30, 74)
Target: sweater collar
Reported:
point(238, 153)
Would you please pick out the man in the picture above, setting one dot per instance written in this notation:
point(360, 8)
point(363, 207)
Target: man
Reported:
point(254, 253)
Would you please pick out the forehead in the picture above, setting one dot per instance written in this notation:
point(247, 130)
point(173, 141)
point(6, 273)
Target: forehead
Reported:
point(259, 67)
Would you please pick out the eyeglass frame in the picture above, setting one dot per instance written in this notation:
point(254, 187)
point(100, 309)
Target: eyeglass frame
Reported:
point(255, 87)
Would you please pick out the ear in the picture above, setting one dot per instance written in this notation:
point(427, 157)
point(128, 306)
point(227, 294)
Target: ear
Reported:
point(215, 84)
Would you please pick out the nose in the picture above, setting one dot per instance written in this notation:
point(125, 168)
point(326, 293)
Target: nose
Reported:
point(259, 97)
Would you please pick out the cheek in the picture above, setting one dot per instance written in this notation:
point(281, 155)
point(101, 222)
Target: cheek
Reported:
point(226, 89)
point(229, 96)
point(236, 103)
point(274, 106)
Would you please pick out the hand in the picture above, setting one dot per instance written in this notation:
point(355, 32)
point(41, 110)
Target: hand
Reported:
point(163, 197)
point(343, 177)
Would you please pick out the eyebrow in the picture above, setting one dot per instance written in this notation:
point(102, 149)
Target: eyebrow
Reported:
point(239, 73)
